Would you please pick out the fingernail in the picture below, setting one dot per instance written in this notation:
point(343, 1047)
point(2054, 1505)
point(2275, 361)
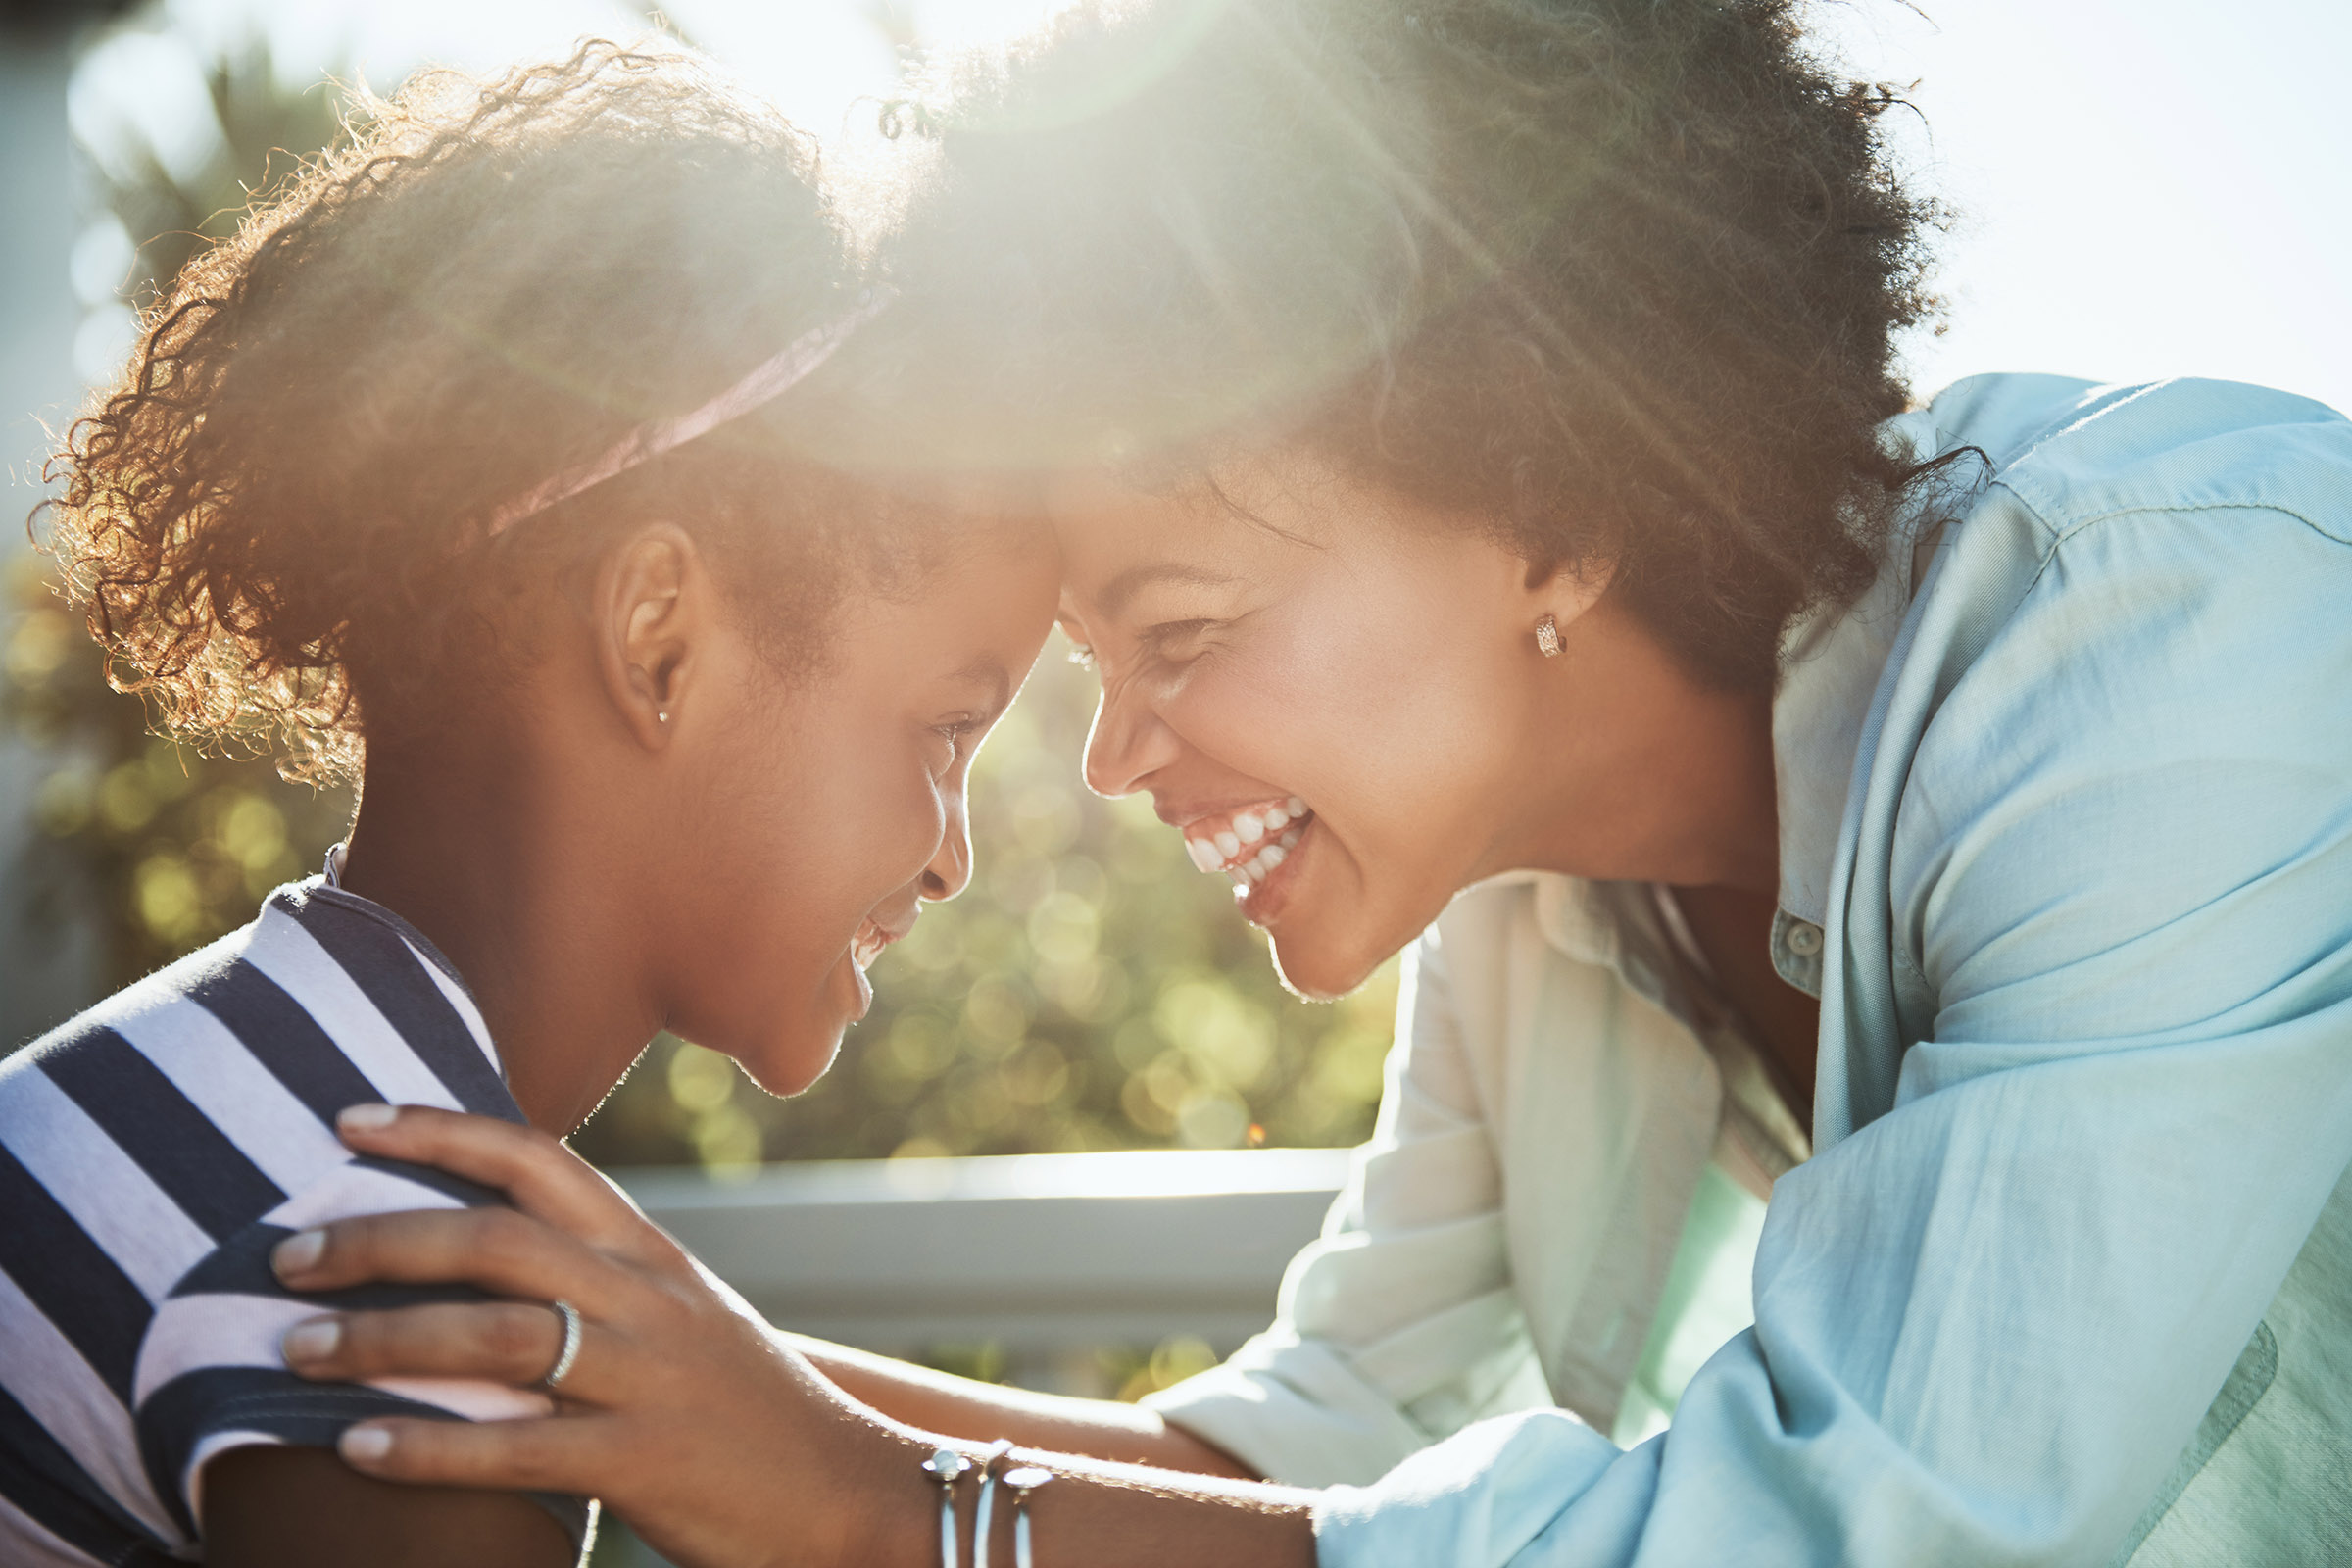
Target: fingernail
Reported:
point(314, 1341)
point(297, 1254)
point(368, 1118)
point(364, 1444)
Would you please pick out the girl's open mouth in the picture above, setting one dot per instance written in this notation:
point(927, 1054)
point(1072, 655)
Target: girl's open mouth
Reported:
point(865, 946)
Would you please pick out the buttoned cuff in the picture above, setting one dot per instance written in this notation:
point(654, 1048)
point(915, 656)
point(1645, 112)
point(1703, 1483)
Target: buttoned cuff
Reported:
point(1292, 1410)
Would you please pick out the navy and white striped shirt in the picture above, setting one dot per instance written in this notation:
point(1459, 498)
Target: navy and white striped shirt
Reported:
point(152, 1152)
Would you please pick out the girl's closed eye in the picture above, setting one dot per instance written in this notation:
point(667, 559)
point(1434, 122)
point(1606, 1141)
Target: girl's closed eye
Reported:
point(958, 733)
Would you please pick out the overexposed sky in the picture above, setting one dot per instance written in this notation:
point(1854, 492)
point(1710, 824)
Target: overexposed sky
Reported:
point(2143, 187)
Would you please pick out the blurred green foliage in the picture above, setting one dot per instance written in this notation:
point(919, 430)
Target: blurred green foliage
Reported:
point(1090, 990)
point(165, 849)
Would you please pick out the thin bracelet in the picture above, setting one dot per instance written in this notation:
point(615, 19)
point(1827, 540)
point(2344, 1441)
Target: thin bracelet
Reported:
point(1021, 1483)
point(986, 1512)
point(946, 1466)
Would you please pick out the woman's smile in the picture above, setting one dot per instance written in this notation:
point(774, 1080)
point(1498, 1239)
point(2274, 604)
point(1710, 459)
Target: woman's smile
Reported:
point(1249, 845)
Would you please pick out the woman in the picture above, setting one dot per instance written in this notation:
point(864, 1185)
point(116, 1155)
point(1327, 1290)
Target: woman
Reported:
point(657, 720)
point(1473, 433)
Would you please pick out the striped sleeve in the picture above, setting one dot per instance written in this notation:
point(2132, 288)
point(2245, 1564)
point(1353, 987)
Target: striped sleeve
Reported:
point(210, 1377)
point(152, 1154)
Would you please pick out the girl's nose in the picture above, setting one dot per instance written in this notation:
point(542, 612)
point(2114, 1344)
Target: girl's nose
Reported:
point(951, 868)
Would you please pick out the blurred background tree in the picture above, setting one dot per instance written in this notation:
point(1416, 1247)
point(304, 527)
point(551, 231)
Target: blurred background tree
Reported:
point(1089, 991)
point(160, 847)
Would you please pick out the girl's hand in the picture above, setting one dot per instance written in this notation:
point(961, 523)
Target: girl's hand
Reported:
point(718, 1443)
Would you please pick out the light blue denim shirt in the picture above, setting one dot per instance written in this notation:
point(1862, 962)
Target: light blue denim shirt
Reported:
point(2069, 1277)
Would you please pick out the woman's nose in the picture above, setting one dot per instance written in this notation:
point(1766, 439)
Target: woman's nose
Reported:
point(1127, 745)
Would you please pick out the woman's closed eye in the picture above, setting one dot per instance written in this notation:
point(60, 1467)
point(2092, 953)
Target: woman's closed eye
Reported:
point(1177, 640)
point(1174, 641)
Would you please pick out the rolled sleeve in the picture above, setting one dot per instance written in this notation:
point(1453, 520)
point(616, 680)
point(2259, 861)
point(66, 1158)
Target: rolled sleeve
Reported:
point(1398, 1326)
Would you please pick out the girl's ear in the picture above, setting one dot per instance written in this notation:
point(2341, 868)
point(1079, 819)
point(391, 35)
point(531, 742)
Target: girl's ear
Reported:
point(648, 613)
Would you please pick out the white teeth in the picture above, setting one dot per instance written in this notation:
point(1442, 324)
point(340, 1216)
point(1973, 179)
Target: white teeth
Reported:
point(1259, 866)
point(1273, 830)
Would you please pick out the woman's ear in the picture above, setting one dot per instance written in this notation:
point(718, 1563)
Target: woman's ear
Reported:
point(1564, 592)
point(650, 613)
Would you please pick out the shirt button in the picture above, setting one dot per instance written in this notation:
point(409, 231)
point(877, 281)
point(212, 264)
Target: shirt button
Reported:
point(1804, 938)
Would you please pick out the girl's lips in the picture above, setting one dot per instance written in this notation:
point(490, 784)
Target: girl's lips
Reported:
point(866, 993)
point(871, 937)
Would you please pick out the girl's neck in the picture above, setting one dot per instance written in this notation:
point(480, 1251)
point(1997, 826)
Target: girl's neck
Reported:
point(482, 856)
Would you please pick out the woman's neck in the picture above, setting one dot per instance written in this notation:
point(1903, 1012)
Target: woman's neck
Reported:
point(480, 854)
point(1645, 774)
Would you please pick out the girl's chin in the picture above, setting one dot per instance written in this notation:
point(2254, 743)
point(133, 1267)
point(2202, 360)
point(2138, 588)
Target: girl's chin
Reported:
point(787, 1067)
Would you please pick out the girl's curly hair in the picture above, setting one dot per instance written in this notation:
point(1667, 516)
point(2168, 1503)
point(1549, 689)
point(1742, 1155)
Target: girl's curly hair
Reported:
point(1617, 279)
point(275, 516)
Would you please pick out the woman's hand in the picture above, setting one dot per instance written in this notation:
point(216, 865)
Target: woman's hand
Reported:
point(718, 1443)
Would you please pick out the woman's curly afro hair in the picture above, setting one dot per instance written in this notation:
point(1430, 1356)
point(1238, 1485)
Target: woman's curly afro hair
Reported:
point(275, 516)
point(1616, 279)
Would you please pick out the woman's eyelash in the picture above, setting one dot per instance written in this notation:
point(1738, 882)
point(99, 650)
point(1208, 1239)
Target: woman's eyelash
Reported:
point(1172, 631)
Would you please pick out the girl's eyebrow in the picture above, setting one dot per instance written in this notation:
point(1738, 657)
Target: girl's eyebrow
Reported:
point(1127, 584)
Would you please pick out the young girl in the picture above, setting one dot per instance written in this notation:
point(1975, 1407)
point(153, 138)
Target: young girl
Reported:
point(479, 466)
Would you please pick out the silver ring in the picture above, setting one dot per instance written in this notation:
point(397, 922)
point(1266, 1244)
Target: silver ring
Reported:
point(570, 1352)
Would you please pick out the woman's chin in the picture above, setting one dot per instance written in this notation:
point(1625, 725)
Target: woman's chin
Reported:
point(1318, 969)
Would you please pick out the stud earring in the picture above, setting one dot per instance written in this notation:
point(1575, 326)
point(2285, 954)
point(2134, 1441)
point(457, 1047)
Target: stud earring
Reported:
point(1548, 637)
point(663, 716)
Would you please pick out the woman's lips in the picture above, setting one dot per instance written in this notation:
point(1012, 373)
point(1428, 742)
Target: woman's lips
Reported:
point(1262, 902)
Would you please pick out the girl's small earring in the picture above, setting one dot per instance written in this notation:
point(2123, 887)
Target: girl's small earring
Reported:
point(1548, 637)
point(663, 716)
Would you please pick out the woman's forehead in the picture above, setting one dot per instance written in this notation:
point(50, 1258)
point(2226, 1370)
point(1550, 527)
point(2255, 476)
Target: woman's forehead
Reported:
point(1117, 539)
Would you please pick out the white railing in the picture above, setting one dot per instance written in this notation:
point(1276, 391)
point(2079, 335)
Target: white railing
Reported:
point(1032, 1253)
point(1044, 1257)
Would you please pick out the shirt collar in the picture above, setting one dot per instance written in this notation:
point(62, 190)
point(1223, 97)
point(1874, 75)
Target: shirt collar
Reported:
point(1831, 661)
